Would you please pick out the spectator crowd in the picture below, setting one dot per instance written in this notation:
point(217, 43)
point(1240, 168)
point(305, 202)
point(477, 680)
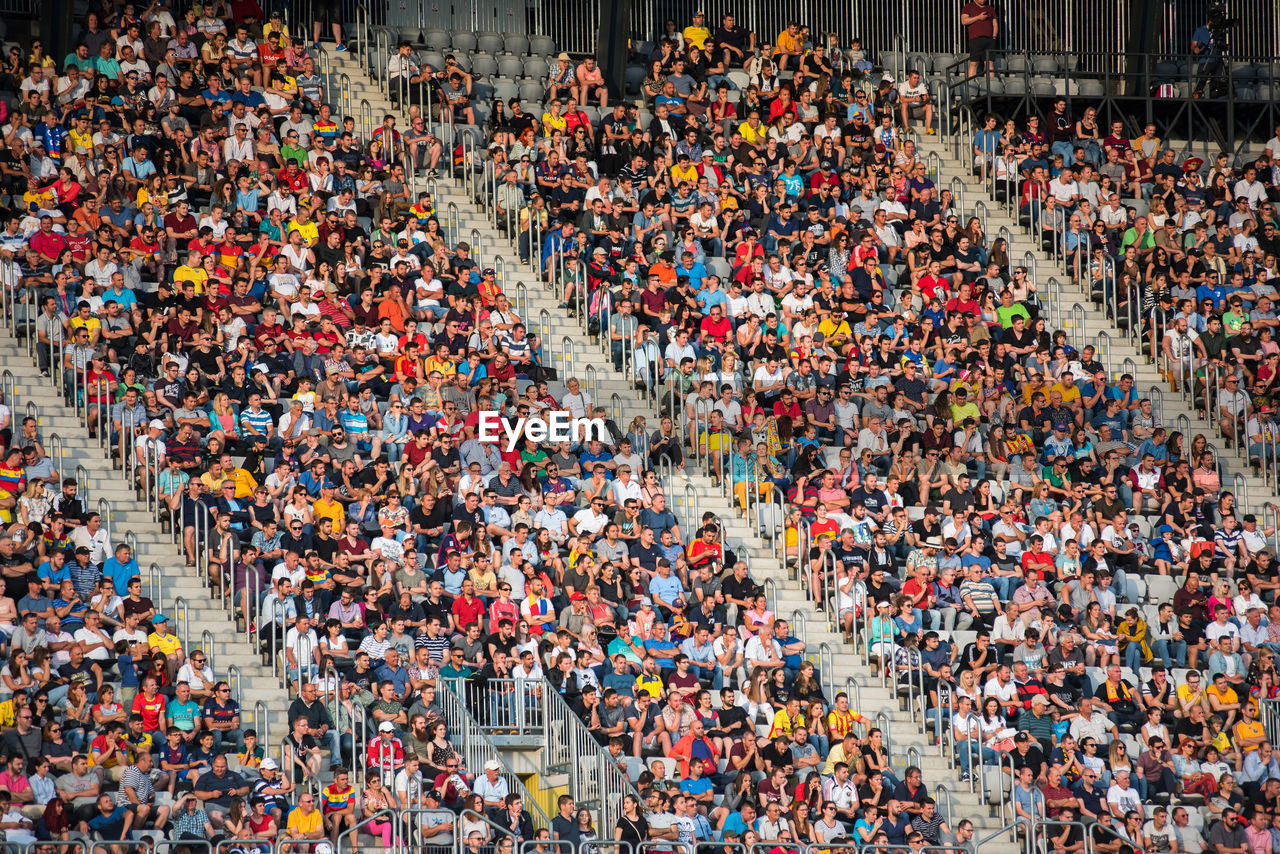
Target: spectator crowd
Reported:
point(247, 290)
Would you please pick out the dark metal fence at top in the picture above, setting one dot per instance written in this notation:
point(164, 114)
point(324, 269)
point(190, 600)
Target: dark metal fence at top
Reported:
point(911, 29)
point(1234, 106)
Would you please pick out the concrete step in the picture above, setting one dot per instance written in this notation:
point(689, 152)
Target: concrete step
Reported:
point(255, 683)
point(765, 565)
point(1146, 375)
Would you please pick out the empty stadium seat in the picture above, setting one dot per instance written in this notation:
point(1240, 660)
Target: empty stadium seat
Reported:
point(490, 42)
point(504, 88)
point(510, 66)
point(542, 45)
point(532, 90)
point(436, 39)
point(516, 43)
point(464, 41)
point(538, 67)
point(1045, 65)
point(484, 64)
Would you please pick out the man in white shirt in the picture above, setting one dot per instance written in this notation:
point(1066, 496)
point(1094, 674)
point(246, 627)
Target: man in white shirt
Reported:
point(1250, 188)
point(1122, 797)
point(96, 643)
point(93, 536)
point(913, 95)
point(492, 787)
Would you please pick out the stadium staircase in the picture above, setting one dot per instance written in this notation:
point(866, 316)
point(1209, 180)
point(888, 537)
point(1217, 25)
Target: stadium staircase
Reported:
point(1088, 323)
point(175, 589)
point(842, 667)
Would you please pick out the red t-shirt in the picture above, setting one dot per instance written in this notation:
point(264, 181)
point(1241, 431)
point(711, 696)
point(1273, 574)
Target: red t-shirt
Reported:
point(467, 612)
point(931, 285)
point(149, 709)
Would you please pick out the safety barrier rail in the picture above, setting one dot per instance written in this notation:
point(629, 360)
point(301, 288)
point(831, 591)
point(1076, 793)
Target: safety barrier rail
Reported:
point(475, 748)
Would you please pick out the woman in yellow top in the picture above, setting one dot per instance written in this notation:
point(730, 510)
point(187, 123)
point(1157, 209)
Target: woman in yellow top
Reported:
point(1134, 640)
point(153, 192)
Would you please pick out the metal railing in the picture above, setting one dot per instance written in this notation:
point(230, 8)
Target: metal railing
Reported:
point(571, 748)
point(475, 748)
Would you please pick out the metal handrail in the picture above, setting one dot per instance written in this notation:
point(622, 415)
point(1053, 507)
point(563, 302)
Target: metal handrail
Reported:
point(476, 749)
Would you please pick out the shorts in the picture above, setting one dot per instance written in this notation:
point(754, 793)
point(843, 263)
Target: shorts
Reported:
point(979, 47)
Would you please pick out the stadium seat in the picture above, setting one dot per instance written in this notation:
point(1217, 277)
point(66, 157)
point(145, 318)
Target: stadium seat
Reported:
point(532, 91)
point(511, 66)
point(516, 43)
point(436, 39)
point(464, 42)
point(504, 88)
point(490, 42)
point(539, 67)
point(542, 45)
point(484, 65)
point(1047, 65)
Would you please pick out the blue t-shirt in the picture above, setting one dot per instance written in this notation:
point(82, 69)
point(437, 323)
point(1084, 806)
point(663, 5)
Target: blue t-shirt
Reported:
point(119, 573)
point(651, 646)
point(735, 824)
point(50, 576)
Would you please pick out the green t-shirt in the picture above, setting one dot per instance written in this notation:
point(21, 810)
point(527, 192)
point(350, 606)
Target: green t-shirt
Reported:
point(182, 715)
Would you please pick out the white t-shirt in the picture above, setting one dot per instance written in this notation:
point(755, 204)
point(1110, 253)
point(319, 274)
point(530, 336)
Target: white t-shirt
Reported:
point(906, 90)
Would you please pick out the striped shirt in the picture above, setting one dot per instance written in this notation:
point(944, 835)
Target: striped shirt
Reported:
point(134, 779)
point(437, 647)
point(356, 423)
point(376, 649)
point(260, 421)
point(982, 594)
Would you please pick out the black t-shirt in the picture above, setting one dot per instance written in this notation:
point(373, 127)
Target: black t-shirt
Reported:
point(1033, 759)
point(495, 642)
point(774, 757)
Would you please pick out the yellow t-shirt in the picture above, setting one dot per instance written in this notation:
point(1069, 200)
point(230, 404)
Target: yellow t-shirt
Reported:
point(959, 412)
point(782, 723)
point(651, 684)
point(1186, 695)
point(81, 143)
point(1070, 394)
point(689, 173)
point(551, 124)
point(245, 484)
point(1245, 730)
point(786, 42)
point(330, 509)
point(755, 136)
point(696, 36)
point(299, 824)
point(186, 273)
point(92, 324)
point(169, 644)
point(834, 326)
point(446, 366)
point(309, 230)
point(1226, 697)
